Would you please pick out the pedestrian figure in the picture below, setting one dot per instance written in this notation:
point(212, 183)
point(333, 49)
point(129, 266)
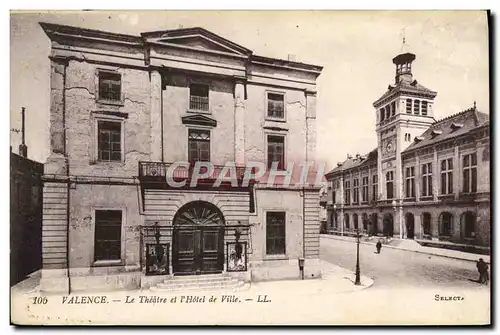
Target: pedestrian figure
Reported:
point(379, 246)
point(482, 268)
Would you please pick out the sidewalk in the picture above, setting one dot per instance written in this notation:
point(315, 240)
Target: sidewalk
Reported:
point(415, 247)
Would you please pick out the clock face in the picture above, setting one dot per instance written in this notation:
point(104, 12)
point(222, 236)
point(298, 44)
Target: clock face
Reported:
point(389, 147)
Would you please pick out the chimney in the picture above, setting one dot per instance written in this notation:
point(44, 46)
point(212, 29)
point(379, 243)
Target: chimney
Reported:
point(349, 156)
point(23, 149)
point(358, 156)
point(292, 58)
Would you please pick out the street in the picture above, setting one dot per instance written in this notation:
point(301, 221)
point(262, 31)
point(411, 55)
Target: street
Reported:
point(399, 268)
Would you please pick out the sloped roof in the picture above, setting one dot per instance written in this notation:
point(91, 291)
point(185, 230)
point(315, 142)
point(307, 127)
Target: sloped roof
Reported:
point(450, 127)
point(353, 162)
point(408, 87)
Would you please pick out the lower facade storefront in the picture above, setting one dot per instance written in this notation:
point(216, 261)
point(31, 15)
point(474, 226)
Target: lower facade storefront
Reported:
point(114, 237)
point(461, 223)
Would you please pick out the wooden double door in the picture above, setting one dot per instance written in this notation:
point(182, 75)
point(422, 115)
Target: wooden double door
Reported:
point(198, 240)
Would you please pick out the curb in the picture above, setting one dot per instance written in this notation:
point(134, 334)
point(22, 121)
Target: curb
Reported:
point(398, 248)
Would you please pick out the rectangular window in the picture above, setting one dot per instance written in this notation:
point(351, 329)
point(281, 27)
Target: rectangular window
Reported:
point(410, 182)
point(198, 97)
point(382, 114)
point(470, 173)
point(275, 105)
point(364, 197)
point(108, 232)
point(408, 106)
point(198, 145)
point(389, 177)
point(109, 141)
point(275, 233)
point(424, 107)
point(347, 192)
point(416, 107)
point(356, 191)
point(427, 179)
point(110, 84)
point(276, 151)
point(334, 193)
point(393, 108)
point(374, 188)
point(447, 176)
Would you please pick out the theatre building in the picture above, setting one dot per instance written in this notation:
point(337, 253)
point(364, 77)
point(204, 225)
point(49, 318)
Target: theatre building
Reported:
point(130, 119)
point(427, 179)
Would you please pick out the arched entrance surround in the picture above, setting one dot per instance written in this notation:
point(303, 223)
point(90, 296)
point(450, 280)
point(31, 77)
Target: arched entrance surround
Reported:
point(198, 239)
point(410, 225)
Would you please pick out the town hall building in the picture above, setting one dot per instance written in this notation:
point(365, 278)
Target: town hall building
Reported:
point(427, 179)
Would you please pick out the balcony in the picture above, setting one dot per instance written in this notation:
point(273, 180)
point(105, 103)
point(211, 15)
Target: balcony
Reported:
point(168, 175)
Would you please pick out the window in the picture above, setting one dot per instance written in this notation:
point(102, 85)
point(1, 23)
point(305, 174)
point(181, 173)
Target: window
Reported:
point(275, 105)
point(108, 232)
point(446, 224)
point(389, 181)
point(387, 112)
point(364, 196)
point(356, 191)
point(275, 233)
point(408, 106)
point(374, 188)
point(447, 176)
point(416, 107)
point(382, 114)
point(347, 192)
point(334, 200)
point(426, 219)
point(109, 141)
point(470, 173)
point(424, 107)
point(393, 108)
point(198, 145)
point(276, 151)
point(355, 221)
point(469, 224)
point(410, 182)
point(365, 222)
point(110, 86)
point(198, 97)
point(427, 180)
point(346, 221)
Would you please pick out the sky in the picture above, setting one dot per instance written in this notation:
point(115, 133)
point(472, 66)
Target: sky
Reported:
point(355, 49)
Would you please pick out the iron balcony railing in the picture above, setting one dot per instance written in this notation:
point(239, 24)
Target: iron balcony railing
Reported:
point(158, 171)
point(198, 103)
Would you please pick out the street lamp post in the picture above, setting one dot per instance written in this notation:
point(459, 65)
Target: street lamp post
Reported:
point(358, 279)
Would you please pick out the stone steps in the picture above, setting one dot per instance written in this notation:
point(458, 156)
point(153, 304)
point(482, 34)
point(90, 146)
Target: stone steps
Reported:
point(200, 283)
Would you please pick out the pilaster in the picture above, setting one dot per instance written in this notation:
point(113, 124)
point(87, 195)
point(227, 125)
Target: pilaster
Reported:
point(156, 117)
point(239, 122)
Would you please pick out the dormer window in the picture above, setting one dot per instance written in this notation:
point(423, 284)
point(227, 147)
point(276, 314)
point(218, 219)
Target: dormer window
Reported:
point(435, 133)
point(198, 97)
point(455, 126)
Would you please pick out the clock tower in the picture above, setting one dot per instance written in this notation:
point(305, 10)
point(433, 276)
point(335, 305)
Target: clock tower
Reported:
point(404, 112)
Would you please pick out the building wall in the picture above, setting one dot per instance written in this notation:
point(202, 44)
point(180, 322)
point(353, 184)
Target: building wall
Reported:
point(82, 110)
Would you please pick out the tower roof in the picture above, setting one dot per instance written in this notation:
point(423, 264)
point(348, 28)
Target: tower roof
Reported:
point(404, 87)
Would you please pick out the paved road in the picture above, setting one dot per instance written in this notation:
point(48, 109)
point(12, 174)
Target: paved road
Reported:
point(400, 269)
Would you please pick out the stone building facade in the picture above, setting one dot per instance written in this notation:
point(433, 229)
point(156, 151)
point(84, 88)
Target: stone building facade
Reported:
point(123, 110)
point(426, 179)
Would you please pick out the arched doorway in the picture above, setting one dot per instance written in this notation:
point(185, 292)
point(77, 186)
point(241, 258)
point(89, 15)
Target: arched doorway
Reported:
point(445, 225)
point(388, 229)
point(410, 226)
point(198, 239)
point(366, 222)
point(355, 221)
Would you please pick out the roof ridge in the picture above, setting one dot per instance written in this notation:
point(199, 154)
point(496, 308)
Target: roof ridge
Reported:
point(472, 109)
